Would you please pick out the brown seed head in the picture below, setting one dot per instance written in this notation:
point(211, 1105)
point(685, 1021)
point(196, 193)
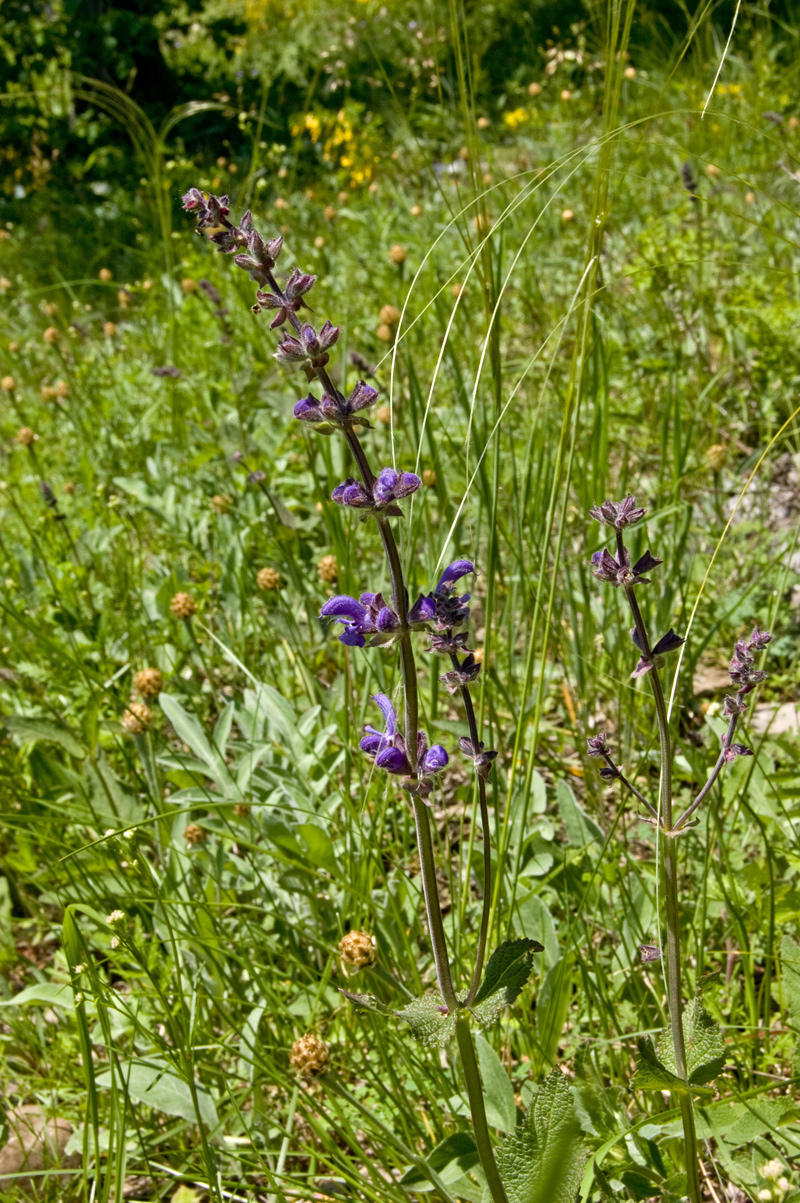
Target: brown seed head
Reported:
point(268, 579)
point(13, 347)
point(483, 123)
point(328, 570)
point(398, 254)
point(189, 285)
point(123, 298)
point(566, 94)
point(309, 1056)
point(384, 414)
point(358, 950)
point(429, 478)
point(148, 682)
point(384, 333)
point(534, 89)
point(47, 392)
point(221, 503)
point(329, 213)
point(193, 834)
point(319, 242)
point(183, 605)
point(26, 437)
point(109, 330)
point(69, 488)
point(52, 336)
point(136, 718)
point(5, 283)
point(390, 315)
point(105, 274)
point(712, 171)
point(50, 308)
point(9, 384)
point(241, 809)
point(567, 215)
point(717, 457)
point(457, 289)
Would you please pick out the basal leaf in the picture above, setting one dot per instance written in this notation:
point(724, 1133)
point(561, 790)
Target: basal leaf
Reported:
point(544, 1158)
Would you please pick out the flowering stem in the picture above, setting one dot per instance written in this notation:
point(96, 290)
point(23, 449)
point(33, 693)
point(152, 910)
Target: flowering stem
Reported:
point(671, 903)
point(630, 786)
point(479, 1121)
point(486, 907)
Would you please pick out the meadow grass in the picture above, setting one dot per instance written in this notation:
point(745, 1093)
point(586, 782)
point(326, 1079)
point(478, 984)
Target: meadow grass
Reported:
point(575, 321)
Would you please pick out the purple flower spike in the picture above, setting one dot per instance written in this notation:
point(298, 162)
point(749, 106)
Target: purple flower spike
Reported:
point(308, 347)
point(597, 746)
point(337, 410)
point(369, 616)
point(435, 760)
point(618, 514)
point(463, 676)
point(297, 285)
point(352, 493)
point(608, 568)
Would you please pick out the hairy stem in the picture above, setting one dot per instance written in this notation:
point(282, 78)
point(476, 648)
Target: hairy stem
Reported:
point(480, 954)
point(479, 1121)
point(671, 901)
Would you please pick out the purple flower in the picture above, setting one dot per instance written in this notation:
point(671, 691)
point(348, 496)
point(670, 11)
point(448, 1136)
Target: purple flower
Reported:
point(445, 610)
point(667, 643)
point(309, 346)
point(649, 952)
point(389, 487)
point(390, 752)
point(618, 514)
point(330, 412)
point(731, 751)
point(597, 746)
point(463, 676)
point(370, 615)
point(298, 284)
point(607, 568)
point(261, 254)
point(742, 669)
point(480, 758)
point(210, 211)
point(733, 706)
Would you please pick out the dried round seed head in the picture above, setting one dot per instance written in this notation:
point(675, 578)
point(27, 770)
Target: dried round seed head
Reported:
point(398, 254)
point(148, 682)
point(183, 605)
point(26, 437)
point(69, 488)
point(358, 950)
point(62, 389)
point(105, 274)
point(13, 347)
point(47, 392)
point(390, 315)
point(136, 718)
point(52, 336)
point(268, 579)
point(189, 285)
point(221, 503)
point(328, 570)
point(193, 834)
point(384, 414)
point(309, 1056)
point(717, 457)
point(429, 478)
point(109, 330)
point(384, 333)
point(9, 384)
point(534, 89)
point(241, 809)
point(329, 213)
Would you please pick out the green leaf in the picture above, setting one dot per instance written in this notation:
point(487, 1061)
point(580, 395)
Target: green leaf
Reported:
point(424, 1017)
point(46, 994)
point(454, 1157)
point(790, 974)
point(650, 1073)
point(151, 1083)
point(581, 830)
point(364, 1002)
point(705, 1049)
point(552, 1007)
point(536, 922)
point(544, 1158)
point(187, 728)
point(501, 1108)
point(507, 971)
point(32, 730)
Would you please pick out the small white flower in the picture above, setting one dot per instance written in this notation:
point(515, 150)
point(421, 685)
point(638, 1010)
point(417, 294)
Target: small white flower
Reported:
point(115, 917)
point(115, 941)
point(78, 998)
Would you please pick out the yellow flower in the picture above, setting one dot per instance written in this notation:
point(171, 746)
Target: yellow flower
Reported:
point(515, 118)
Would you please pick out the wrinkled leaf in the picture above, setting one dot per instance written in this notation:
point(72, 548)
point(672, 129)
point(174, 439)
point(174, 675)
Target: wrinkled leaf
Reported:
point(424, 1017)
point(507, 971)
point(544, 1158)
point(32, 730)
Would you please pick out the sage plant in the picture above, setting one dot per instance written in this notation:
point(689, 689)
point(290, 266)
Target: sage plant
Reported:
point(683, 1070)
point(372, 620)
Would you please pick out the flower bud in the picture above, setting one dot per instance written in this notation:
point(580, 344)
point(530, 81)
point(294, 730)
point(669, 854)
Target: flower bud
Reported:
point(309, 1056)
point(358, 950)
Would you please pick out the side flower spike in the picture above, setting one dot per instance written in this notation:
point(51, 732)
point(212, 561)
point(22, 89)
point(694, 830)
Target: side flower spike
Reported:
point(391, 754)
point(390, 487)
point(445, 609)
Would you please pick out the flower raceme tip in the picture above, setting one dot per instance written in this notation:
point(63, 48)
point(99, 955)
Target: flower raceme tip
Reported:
point(618, 514)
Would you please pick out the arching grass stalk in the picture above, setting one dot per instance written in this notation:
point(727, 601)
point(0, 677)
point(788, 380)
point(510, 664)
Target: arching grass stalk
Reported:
point(370, 620)
point(618, 571)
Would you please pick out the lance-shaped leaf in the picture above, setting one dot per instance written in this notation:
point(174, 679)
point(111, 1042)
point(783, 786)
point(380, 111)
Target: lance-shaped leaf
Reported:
point(365, 1002)
point(430, 1022)
point(544, 1157)
point(507, 971)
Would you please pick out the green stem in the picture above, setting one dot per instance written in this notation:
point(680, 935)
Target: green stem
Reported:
point(479, 1122)
point(671, 903)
